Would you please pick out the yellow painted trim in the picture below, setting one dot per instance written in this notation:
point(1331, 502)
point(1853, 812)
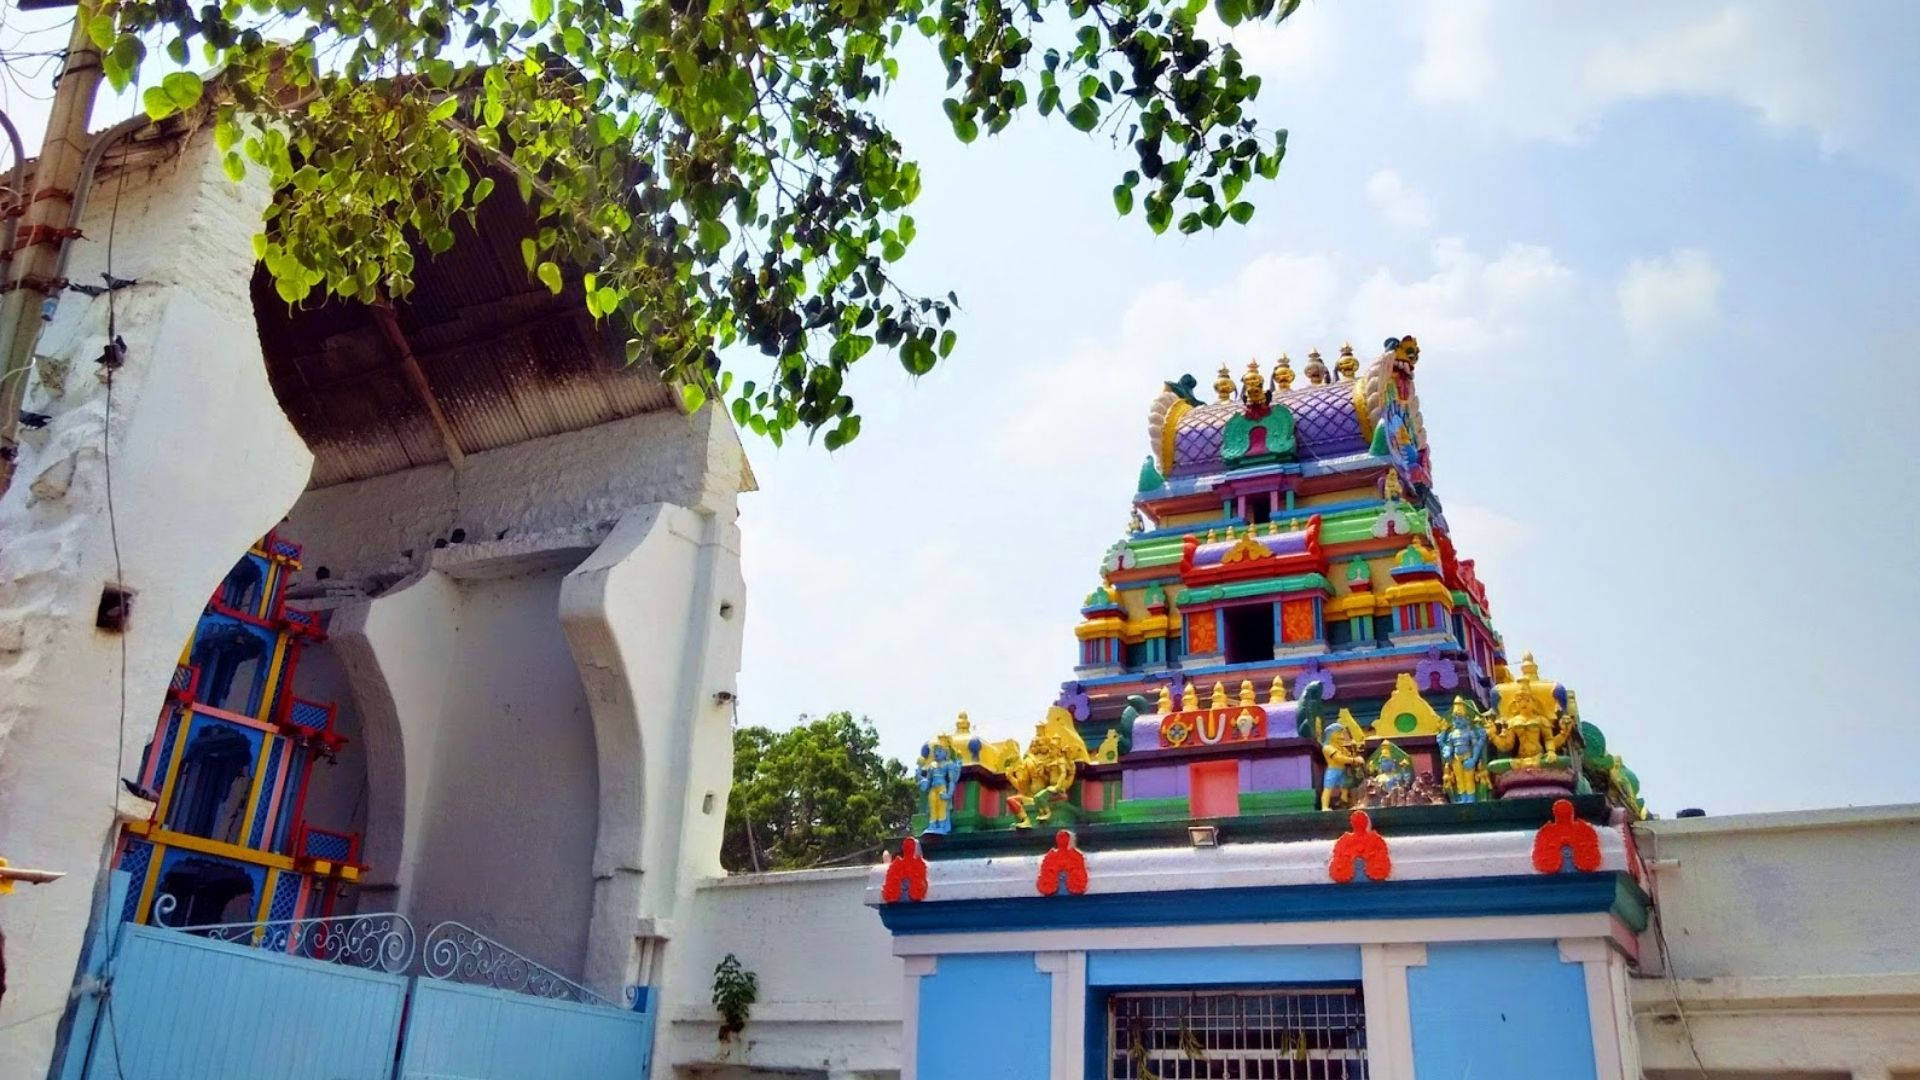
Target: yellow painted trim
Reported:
point(145, 906)
point(1352, 605)
point(1098, 628)
point(1168, 431)
point(173, 767)
point(205, 846)
point(1420, 592)
point(1133, 631)
point(261, 912)
point(270, 691)
point(1360, 411)
point(266, 589)
point(259, 781)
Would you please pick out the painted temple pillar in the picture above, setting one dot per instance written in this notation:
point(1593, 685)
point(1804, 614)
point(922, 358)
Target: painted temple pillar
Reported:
point(187, 499)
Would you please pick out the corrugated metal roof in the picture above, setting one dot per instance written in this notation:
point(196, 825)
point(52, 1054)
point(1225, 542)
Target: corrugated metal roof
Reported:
point(506, 360)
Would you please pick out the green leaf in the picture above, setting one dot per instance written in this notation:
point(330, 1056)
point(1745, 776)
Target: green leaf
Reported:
point(692, 397)
point(714, 234)
point(183, 88)
point(549, 274)
point(1241, 213)
point(101, 29)
point(542, 11)
point(1084, 115)
point(445, 110)
point(1123, 199)
point(235, 165)
point(158, 105)
point(528, 252)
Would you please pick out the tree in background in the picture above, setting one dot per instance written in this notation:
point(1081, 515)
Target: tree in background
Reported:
point(711, 174)
point(816, 793)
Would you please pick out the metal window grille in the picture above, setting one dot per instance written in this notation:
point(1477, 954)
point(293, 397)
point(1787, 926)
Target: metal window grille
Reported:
point(1317, 1033)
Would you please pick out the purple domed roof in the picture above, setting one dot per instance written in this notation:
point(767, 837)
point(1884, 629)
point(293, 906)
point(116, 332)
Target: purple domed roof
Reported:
point(1324, 425)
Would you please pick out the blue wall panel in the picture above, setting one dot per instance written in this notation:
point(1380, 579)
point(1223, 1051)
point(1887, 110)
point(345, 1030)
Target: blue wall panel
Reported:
point(1499, 1011)
point(1258, 966)
point(186, 1008)
point(985, 1016)
point(478, 1033)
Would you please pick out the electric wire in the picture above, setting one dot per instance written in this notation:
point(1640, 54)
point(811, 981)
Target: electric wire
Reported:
point(1660, 940)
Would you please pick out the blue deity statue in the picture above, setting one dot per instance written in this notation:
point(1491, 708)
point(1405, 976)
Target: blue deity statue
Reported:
point(939, 774)
point(1463, 754)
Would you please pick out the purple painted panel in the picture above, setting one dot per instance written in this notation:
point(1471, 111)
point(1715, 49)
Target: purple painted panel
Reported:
point(1155, 782)
point(1277, 774)
point(1146, 733)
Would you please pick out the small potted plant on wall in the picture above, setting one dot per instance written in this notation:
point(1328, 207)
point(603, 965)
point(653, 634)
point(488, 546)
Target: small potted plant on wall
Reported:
point(734, 991)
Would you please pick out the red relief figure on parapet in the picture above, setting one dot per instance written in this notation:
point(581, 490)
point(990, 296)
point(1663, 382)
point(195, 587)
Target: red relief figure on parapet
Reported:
point(906, 874)
point(1362, 843)
point(1566, 832)
point(1063, 860)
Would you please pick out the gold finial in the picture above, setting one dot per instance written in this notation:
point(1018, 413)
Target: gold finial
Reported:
point(1347, 365)
point(1277, 692)
point(1253, 388)
point(963, 725)
point(1213, 535)
point(1528, 669)
point(1189, 698)
point(1246, 691)
point(1219, 698)
point(1165, 704)
point(1282, 374)
point(1224, 384)
point(1135, 523)
point(1316, 368)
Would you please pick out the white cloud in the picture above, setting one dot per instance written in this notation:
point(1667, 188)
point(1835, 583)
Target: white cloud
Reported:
point(1403, 205)
point(1551, 70)
point(1470, 305)
point(1660, 298)
point(1486, 536)
point(1467, 308)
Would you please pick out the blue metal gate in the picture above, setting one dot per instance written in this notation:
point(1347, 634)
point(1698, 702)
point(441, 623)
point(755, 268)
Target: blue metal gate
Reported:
point(185, 1006)
point(337, 999)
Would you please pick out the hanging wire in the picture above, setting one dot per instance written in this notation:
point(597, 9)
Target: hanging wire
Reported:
point(1660, 939)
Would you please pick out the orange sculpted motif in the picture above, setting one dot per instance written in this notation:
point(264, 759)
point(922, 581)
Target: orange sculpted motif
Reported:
point(906, 874)
point(1203, 633)
point(1062, 865)
point(1296, 621)
point(1566, 832)
point(1360, 845)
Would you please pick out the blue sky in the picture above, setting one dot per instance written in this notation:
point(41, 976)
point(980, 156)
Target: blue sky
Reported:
point(1662, 262)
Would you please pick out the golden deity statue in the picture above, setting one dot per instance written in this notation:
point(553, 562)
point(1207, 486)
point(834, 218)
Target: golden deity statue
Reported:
point(1253, 388)
point(1223, 384)
point(1530, 726)
point(1316, 368)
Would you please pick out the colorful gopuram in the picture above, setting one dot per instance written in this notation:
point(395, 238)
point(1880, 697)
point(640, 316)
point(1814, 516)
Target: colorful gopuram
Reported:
point(1295, 814)
point(229, 767)
point(1286, 628)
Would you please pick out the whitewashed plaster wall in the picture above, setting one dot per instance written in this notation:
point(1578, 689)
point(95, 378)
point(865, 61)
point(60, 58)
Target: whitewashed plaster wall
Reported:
point(1793, 942)
point(830, 1002)
point(545, 748)
point(204, 462)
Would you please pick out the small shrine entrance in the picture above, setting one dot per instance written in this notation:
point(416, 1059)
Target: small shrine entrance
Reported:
point(1308, 1033)
point(350, 998)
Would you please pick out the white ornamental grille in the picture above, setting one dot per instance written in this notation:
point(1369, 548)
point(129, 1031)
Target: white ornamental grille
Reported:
point(1315, 1033)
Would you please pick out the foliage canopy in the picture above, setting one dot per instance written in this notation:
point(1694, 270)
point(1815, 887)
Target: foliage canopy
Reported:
point(712, 171)
point(814, 793)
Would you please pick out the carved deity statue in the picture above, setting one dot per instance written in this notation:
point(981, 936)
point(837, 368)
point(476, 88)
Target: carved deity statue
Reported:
point(938, 773)
point(1463, 753)
point(1346, 766)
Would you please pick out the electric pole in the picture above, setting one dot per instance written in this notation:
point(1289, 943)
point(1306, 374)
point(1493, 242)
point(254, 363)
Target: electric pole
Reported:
point(31, 288)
